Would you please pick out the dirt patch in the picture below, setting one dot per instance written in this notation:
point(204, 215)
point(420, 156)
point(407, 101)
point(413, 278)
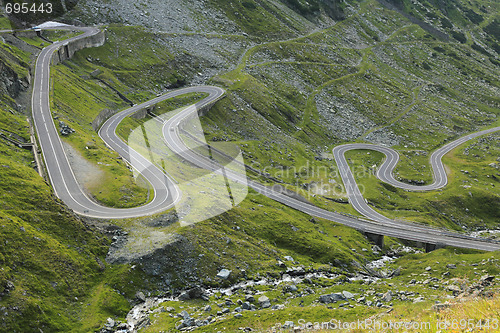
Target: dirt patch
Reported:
point(87, 174)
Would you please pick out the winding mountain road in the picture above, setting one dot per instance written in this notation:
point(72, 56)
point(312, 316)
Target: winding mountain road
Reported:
point(58, 167)
point(380, 224)
point(385, 172)
point(166, 194)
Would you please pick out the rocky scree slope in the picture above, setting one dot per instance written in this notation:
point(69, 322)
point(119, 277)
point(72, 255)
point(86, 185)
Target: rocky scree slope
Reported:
point(285, 89)
point(255, 18)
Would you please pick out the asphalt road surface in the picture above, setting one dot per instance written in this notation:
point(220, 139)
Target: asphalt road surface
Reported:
point(59, 170)
point(379, 225)
point(166, 193)
point(385, 172)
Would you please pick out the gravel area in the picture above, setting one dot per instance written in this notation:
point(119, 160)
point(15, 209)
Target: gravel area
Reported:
point(86, 173)
point(171, 16)
point(342, 117)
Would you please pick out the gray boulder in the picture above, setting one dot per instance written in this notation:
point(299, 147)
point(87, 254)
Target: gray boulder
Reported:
point(440, 306)
point(189, 322)
point(110, 322)
point(223, 274)
point(486, 279)
point(184, 315)
point(140, 296)
point(347, 294)
point(331, 298)
point(387, 296)
point(264, 302)
point(193, 293)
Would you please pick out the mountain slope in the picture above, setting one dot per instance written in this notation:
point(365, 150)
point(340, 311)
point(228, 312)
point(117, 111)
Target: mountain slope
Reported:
point(53, 275)
point(259, 19)
point(301, 77)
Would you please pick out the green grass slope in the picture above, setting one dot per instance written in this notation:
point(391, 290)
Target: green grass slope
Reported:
point(373, 77)
point(53, 275)
point(50, 261)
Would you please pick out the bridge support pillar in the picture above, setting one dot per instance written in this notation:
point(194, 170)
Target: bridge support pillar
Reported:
point(429, 247)
point(375, 238)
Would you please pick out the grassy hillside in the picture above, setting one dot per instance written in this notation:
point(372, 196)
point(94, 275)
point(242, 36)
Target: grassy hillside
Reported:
point(53, 274)
point(297, 85)
point(51, 262)
point(68, 286)
point(374, 77)
point(425, 281)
